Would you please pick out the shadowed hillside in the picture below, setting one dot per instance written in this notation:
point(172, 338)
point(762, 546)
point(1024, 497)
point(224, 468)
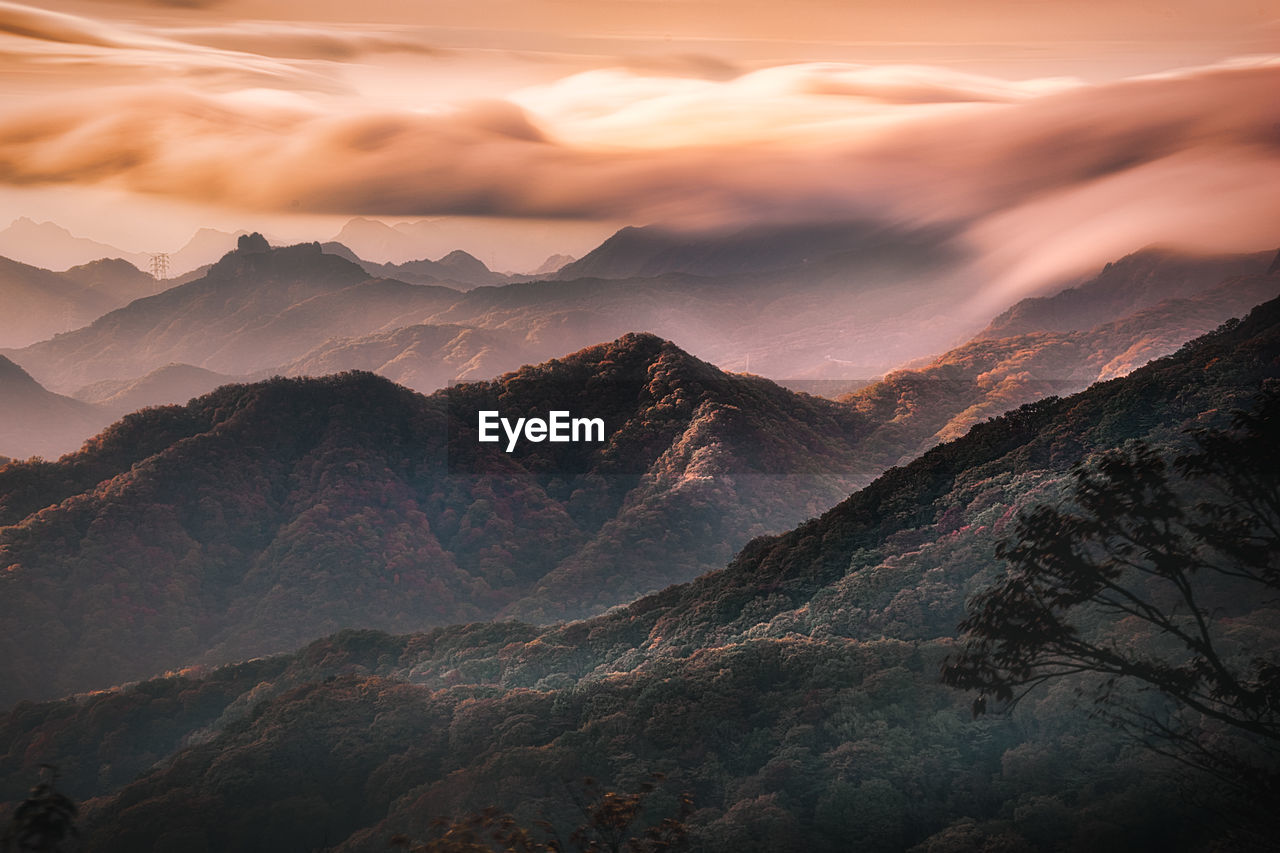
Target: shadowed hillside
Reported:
point(37, 422)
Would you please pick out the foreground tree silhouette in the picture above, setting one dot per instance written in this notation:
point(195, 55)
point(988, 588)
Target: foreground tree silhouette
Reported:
point(1155, 585)
point(43, 822)
point(607, 825)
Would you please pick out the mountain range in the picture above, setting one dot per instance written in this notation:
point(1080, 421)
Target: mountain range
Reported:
point(309, 311)
point(253, 517)
point(39, 304)
point(793, 693)
point(255, 309)
point(456, 269)
point(507, 246)
point(49, 245)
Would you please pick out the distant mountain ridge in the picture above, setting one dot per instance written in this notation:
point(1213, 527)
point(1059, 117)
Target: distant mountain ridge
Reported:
point(256, 308)
point(242, 318)
point(422, 357)
point(514, 246)
point(36, 304)
point(1136, 281)
point(649, 251)
point(172, 383)
point(50, 246)
point(36, 422)
point(305, 310)
point(553, 264)
point(941, 401)
point(455, 269)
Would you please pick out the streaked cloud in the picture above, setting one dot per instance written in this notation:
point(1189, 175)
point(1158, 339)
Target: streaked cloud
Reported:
point(1041, 175)
point(293, 41)
point(92, 53)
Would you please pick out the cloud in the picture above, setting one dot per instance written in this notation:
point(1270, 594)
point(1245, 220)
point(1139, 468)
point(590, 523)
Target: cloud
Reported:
point(910, 84)
point(170, 4)
point(89, 49)
point(296, 41)
point(43, 25)
point(1067, 173)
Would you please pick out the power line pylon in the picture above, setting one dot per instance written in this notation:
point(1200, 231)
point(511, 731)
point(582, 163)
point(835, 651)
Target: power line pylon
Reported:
point(160, 266)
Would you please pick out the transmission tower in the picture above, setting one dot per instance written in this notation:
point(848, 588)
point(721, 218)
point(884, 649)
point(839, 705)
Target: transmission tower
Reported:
point(160, 266)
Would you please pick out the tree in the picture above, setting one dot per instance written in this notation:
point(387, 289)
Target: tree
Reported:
point(42, 823)
point(1155, 586)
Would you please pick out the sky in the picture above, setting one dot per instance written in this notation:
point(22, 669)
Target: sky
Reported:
point(1052, 136)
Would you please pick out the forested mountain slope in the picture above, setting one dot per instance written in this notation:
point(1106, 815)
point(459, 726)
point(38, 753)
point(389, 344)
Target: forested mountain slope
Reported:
point(258, 516)
point(793, 693)
point(919, 407)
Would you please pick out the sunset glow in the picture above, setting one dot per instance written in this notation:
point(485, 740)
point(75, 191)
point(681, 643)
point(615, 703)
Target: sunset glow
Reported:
point(1076, 132)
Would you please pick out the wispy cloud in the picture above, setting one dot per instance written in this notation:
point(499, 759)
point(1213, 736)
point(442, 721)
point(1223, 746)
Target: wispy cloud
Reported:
point(1055, 169)
point(287, 56)
point(296, 41)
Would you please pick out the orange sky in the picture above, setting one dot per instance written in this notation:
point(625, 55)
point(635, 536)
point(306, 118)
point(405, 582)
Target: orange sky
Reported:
point(1053, 134)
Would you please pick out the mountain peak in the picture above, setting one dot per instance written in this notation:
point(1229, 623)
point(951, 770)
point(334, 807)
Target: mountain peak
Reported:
point(463, 263)
point(119, 265)
point(252, 243)
point(13, 377)
point(29, 225)
point(553, 264)
point(253, 255)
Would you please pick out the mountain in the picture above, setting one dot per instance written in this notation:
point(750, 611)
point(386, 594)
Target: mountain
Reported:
point(793, 693)
point(503, 244)
point(553, 264)
point(1134, 282)
point(36, 422)
point(173, 383)
point(255, 517)
point(463, 267)
point(117, 279)
point(652, 251)
point(39, 304)
point(381, 243)
point(457, 269)
point(50, 246)
point(921, 407)
point(869, 308)
point(842, 318)
point(422, 357)
point(879, 301)
point(255, 309)
point(206, 246)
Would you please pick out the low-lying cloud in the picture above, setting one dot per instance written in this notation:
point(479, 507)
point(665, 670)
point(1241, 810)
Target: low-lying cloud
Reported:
point(1042, 176)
